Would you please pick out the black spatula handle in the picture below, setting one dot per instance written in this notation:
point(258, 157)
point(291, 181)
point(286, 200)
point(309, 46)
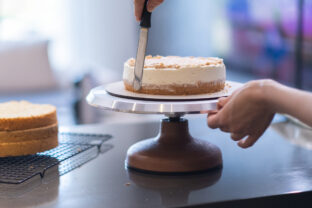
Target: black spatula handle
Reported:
point(146, 17)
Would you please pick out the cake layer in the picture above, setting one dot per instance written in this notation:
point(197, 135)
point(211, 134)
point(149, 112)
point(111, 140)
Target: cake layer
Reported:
point(200, 88)
point(28, 147)
point(173, 75)
point(29, 134)
point(24, 115)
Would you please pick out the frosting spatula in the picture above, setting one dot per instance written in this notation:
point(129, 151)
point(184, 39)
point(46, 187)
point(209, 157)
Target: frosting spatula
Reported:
point(140, 56)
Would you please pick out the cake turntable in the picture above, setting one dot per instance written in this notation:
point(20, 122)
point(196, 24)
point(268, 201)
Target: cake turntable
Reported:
point(174, 150)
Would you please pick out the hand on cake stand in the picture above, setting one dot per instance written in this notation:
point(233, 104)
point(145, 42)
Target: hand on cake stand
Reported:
point(244, 114)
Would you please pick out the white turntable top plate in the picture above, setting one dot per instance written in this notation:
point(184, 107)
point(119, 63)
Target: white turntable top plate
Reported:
point(117, 89)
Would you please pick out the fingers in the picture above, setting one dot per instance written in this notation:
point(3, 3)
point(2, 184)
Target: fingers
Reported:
point(224, 128)
point(237, 136)
point(211, 112)
point(256, 134)
point(152, 4)
point(138, 8)
point(222, 101)
point(213, 121)
point(213, 116)
point(139, 5)
point(251, 140)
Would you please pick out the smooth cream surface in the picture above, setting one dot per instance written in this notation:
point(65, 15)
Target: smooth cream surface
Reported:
point(177, 70)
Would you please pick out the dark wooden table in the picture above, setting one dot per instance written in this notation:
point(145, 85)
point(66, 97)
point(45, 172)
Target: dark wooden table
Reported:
point(275, 172)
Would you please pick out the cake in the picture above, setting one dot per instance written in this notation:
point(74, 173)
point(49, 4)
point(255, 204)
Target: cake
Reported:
point(173, 75)
point(27, 128)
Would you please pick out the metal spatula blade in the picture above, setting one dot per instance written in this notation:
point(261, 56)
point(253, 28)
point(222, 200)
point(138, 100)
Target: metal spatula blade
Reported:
point(140, 57)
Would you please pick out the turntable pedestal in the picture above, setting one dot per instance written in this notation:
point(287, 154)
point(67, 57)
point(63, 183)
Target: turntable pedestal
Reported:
point(174, 150)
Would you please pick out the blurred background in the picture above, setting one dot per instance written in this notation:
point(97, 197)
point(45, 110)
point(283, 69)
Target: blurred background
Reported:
point(55, 51)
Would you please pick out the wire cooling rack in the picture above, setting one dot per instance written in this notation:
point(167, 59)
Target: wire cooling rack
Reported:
point(74, 150)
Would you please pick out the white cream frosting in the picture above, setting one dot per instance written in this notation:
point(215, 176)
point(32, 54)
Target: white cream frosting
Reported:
point(177, 70)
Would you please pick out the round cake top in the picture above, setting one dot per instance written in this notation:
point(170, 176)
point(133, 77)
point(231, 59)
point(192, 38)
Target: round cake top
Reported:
point(20, 115)
point(175, 70)
point(161, 62)
point(23, 109)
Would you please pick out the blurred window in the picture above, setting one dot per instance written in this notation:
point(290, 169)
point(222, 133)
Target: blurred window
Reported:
point(36, 19)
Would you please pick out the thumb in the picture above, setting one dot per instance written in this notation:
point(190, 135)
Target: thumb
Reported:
point(138, 8)
point(152, 4)
point(213, 121)
point(222, 101)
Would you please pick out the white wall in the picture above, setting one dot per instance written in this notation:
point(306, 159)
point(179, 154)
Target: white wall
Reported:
point(103, 33)
point(84, 33)
point(189, 28)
